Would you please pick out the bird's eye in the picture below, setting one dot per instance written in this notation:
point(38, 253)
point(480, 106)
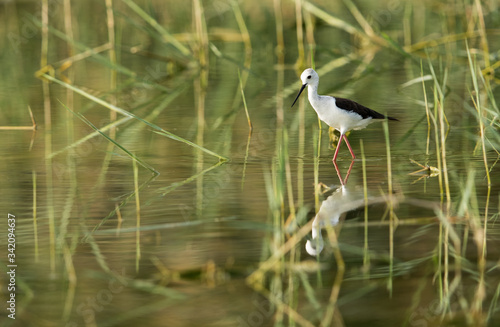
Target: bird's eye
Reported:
point(309, 77)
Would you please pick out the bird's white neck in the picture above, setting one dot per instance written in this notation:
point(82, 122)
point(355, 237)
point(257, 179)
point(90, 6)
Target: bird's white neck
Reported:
point(316, 103)
point(312, 92)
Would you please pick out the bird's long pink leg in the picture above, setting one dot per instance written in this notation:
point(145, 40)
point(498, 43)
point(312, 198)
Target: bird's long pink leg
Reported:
point(349, 146)
point(338, 147)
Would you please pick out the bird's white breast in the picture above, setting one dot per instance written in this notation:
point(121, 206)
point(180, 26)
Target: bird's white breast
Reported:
point(340, 119)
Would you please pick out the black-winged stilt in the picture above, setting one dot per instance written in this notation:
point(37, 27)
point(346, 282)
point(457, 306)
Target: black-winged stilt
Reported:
point(342, 114)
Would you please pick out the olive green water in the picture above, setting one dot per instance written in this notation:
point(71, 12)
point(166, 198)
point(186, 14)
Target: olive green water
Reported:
point(101, 240)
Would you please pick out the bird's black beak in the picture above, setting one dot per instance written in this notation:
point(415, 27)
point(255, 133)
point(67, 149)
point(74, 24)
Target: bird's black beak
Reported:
point(298, 95)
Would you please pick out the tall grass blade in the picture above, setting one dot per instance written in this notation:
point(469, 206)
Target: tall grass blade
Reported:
point(35, 225)
point(81, 47)
point(330, 19)
point(392, 218)
point(131, 155)
point(137, 217)
point(160, 29)
point(366, 251)
point(157, 129)
point(90, 136)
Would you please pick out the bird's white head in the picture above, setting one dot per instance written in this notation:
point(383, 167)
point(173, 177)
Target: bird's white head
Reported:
point(309, 78)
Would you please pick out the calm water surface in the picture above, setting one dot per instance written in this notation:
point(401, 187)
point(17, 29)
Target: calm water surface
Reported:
point(213, 243)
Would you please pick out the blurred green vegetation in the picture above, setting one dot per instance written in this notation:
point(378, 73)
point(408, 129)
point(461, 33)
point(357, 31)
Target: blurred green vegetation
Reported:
point(217, 238)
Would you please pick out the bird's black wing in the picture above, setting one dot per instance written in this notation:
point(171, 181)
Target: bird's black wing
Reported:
point(361, 110)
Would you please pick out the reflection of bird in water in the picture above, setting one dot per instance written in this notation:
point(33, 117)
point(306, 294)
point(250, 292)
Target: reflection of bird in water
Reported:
point(334, 208)
point(343, 181)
